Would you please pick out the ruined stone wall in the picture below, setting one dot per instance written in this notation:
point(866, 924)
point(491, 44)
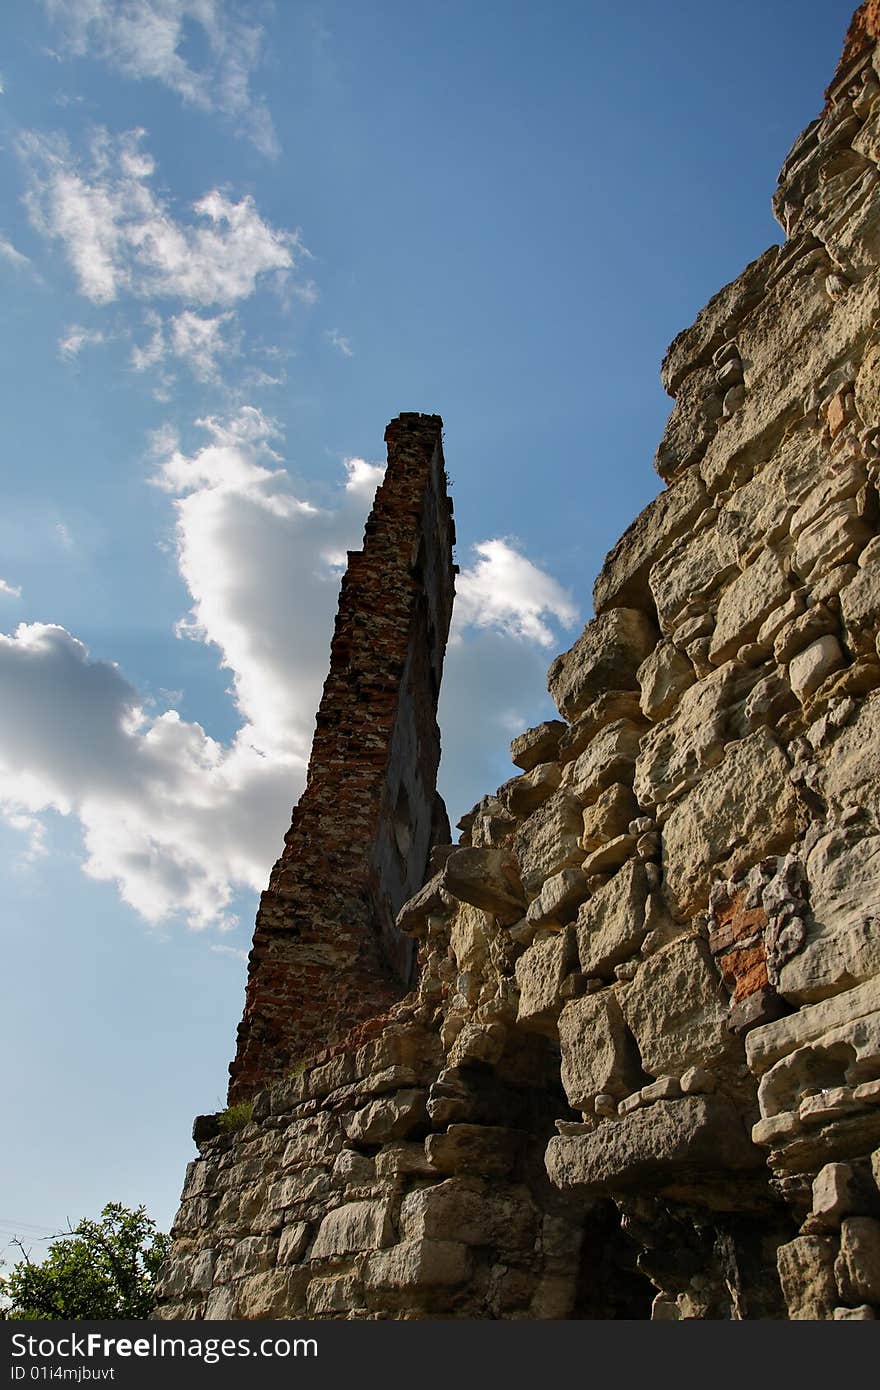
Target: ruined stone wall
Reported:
point(326, 952)
point(640, 1074)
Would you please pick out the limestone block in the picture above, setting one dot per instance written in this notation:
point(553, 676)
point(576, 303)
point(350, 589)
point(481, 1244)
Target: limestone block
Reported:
point(606, 656)
point(525, 793)
point(772, 1041)
point(413, 917)
point(612, 924)
point(341, 1293)
point(809, 668)
point(810, 1078)
point(490, 1150)
point(599, 1056)
point(540, 972)
point(717, 322)
point(806, 1274)
point(277, 1294)
point(860, 599)
point(674, 1007)
point(690, 573)
point(352, 1227)
point(550, 840)
point(867, 388)
point(746, 603)
point(608, 759)
point(294, 1239)
point(835, 1194)
point(742, 810)
point(222, 1305)
point(691, 422)
point(663, 1142)
point(759, 512)
point(419, 1264)
point(842, 945)
point(353, 1169)
point(857, 1267)
point(607, 708)
point(537, 745)
point(464, 1209)
point(836, 537)
point(829, 487)
point(393, 1116)
point(485, 878)
point(623, 578)
point(663, 676)
point(850, 769)
point(608, 858)
point(802, 629)
point(676, 754)
point(469, 937)
point(482, 1043)
point(609, 816)
point(559, 898)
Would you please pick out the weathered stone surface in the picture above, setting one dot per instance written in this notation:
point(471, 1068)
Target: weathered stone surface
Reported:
point(465, 1207)
point(806, 1273)
point(525, 793)
point(623, 579)
point(742, 810)
point(352, 1227)
point(490, 1150)
point(746, 603)
point(857, 1267)
point(559, 898)
point(768, 1044)
point(607, 708)
point(850, 768)
point(599, 1055)
point(608, 816)
point(608, 759)
point(663, 676)
point(659, 1143)
point(676, 754)
point(842, 939)
point(860, 599)
point(611, 925)
point(485, 878)
point(808, 669)
point(540, 972)
point(419, 1264)
point(835, 1194)
point(550, 840)
point(690, 573)
point(391, 1117)
point(537, 745)
point(606, 656)
point(675, 1008)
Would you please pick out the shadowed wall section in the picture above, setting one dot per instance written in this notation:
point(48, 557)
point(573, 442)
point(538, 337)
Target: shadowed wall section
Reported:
point(326, 954)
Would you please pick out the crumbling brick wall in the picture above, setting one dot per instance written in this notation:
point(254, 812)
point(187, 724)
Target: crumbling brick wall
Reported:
point(326, 953)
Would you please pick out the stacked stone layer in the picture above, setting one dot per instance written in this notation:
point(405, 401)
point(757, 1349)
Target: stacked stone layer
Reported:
point(640, 1074)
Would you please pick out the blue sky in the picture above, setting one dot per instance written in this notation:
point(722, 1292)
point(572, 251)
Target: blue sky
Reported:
point(236, 240)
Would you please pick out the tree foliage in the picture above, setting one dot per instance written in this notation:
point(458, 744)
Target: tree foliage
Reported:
point(97, 1269)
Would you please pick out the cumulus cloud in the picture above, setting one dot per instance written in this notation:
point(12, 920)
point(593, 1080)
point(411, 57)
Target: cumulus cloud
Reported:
point(178, 820)
point(10, 590)
point(121, 237)
point(506, 591)
point(145, 39)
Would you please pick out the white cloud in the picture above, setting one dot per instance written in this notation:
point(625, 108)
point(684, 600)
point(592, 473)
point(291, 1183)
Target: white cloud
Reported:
point(178, 820)
point(196, 341)
point(341, 343)
point(10, 590)
point(505, 591)
point(76, 338)
point(10, 253)
point(145, 39)
point(121, 237)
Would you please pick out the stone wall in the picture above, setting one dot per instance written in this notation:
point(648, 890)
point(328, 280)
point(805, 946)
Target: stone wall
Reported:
point(640, 1073)
point(326, 952)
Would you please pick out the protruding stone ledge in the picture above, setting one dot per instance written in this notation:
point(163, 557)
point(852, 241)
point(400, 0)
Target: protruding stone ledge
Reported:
point(695, 1137)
